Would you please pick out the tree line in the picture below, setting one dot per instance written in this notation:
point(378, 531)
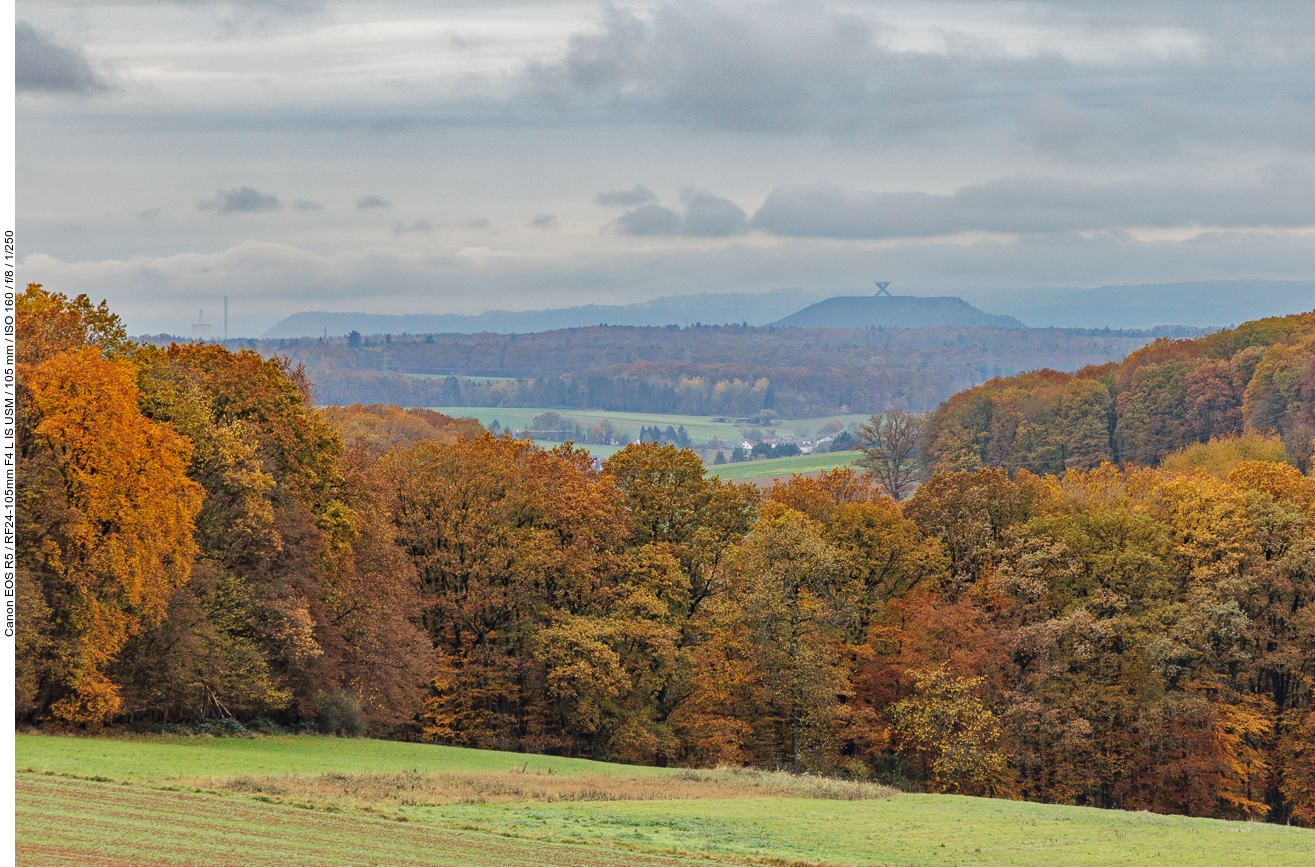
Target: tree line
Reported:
point(196, 541)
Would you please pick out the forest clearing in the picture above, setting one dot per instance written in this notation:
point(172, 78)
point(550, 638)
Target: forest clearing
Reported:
point(307, 800)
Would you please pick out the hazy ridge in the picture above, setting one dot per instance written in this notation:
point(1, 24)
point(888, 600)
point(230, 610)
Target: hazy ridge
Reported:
point(706, 307)
point(1202, 304)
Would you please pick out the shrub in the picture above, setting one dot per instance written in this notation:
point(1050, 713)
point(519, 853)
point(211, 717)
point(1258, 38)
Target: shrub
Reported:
point(340, 714)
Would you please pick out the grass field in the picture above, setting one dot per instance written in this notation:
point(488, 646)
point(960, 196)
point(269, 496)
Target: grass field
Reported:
point(783, 468)
point(926, 830)
point(597, 451)
point(81, 823)
point(167, 758)
point(311, 800)
point(700, 428)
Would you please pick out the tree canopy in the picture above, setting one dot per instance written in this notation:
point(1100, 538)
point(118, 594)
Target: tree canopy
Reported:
point(198, 540)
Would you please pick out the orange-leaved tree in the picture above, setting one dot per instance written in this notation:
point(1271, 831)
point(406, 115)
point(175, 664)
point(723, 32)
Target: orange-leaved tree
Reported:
point(108, 516)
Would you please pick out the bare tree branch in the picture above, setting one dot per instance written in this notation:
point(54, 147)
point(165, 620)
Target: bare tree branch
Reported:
point(889, 442)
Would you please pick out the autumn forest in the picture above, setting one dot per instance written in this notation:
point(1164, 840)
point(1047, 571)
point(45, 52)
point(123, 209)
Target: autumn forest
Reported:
point(1100, 592)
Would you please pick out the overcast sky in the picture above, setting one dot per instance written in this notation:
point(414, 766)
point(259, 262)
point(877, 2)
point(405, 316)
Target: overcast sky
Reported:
point(447, 157)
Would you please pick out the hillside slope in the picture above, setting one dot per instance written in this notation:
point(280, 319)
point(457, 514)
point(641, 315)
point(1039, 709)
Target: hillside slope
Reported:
point(1259, 376)
point(231, 802)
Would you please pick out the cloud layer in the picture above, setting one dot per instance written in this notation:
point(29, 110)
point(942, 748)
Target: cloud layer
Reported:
point(1035, 205)
point(796, 67)
point(1082, 80)
point(268, 281)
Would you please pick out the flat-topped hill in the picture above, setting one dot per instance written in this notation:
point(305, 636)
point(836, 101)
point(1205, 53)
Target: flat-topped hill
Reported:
point(893, 311)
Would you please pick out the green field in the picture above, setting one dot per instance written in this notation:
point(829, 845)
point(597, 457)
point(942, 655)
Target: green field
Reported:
point(81, 823)
point(597, 451)
point(165, 758)
point(700, 428)
point(312, 800)
point(783, 468)
point(924, 830)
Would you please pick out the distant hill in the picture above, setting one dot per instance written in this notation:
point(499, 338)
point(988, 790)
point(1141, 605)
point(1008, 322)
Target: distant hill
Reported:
point(706, 308)
point(1203, 304)
point(893, 311)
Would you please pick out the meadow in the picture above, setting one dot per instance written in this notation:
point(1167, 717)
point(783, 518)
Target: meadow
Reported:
point(701, 429)
point(783, 468)
point(314, 800)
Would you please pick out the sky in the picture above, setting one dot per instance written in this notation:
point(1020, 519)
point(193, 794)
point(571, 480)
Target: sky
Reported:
point(448, 157)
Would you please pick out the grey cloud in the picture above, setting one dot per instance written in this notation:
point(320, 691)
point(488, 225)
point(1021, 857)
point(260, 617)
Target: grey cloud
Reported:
point(288, 7)
point(255, 16)
point(787, 68)
point(478, 223)
point(285, 7)
point(1115, 81)
point(648, 221)
point(42, 65)
point(373, 201)
point(148, 214)
point(707, 216)
point(306, 205)
point(1237, 75)
point(421, 227)
point(1035, 205)
point(544, 221)
point(241, 200)
point(636, 195)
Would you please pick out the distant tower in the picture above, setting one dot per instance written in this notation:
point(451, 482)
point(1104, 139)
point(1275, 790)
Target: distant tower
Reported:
point(881, 289)
point(200, 328)
point(225, 317)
